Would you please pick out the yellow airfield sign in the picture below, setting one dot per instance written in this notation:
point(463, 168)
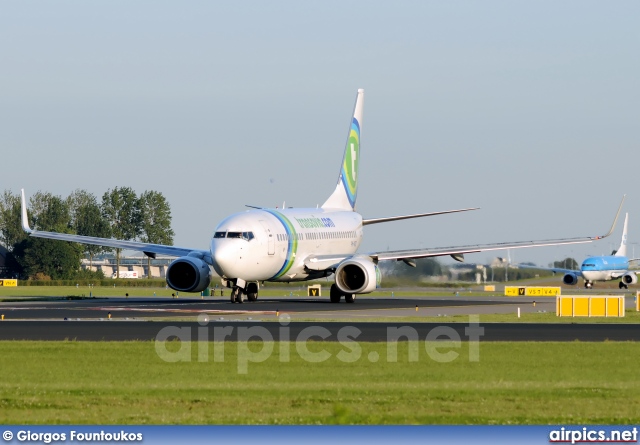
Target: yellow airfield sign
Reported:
point(531, 291)
point(590, 306)
point(8, 283)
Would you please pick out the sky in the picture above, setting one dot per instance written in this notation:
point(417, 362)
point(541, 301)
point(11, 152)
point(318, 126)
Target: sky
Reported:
point(529, 110)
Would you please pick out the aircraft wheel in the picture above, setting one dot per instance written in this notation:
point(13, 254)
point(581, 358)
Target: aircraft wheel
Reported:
point(232, 298)
point(588, 285)
point(252, 291)
point(621, 285)
point(239, 298)
point(350, 298)
point(335, 294)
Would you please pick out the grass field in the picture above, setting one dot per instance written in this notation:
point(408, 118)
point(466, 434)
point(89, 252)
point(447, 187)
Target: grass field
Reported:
point(512, 383)
point(631, 316)
point(268, 291)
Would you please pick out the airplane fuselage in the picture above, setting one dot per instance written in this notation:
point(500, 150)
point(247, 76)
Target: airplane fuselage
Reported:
point(272, 244)
point(604, 268)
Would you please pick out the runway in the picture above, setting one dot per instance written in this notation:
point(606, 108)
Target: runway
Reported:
point(135, 308)
point(122, 319)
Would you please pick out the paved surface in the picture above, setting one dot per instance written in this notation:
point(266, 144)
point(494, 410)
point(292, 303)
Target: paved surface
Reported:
point(375, 332)
point(166, 307)
point(119, 319)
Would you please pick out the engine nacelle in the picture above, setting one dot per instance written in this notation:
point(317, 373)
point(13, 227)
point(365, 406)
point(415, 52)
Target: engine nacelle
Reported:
point(629, 278)
point(570, 279)
point(188, 274)
point(357, 275)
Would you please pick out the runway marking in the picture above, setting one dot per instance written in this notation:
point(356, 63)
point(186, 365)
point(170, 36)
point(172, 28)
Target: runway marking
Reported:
point(121, 309)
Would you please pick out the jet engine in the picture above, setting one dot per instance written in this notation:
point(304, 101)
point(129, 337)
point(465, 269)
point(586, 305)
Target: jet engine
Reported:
point(570, 279)
point(357, 275)
point(188, 274)
point(629, 278)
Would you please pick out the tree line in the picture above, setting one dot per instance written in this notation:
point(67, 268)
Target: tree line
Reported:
point(121, 214)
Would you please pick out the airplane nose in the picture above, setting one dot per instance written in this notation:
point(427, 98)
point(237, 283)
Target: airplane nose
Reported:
point(224, 259)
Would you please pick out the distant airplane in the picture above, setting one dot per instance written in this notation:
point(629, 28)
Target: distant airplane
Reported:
point(602, 268)
point(295, 244)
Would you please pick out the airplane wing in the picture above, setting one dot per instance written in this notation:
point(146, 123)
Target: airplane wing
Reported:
point(457, 252)
point(618, 274)
point(552, 269)
point(327, 262)
point(149, 249)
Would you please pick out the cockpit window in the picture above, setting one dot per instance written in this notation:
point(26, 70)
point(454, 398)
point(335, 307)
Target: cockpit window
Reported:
point(219, 234)
point(243, 235)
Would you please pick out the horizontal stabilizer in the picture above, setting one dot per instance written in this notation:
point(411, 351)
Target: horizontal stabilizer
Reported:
point(418, 215)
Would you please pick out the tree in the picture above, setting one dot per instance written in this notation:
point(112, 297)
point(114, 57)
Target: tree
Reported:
point(567, 263)
point(120, 210)
point(11, 231)
point(87, 219)
point(53, 258)
point(155, 217)
point(49, 213)
point(425, 267)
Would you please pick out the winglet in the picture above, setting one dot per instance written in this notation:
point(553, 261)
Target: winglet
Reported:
point(25, 220)
point(613, 226)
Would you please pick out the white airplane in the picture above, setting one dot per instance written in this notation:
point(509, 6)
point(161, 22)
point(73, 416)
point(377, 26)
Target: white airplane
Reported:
point(295, 244)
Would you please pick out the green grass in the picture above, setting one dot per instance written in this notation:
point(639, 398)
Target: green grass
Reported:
point(548, 317)
point(7, 293)
point(10, 293)
point(512, 383)
point(270, 291)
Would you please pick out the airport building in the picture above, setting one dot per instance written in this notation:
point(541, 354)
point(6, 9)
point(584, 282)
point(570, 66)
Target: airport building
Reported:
point(135, 263)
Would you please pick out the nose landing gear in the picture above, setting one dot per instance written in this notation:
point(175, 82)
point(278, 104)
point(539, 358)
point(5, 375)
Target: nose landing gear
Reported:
point(588, 284)
point(238, 293)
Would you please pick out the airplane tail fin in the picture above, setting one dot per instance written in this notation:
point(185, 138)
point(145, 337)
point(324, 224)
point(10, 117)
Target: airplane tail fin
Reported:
point(622, 250)
point(345, 194)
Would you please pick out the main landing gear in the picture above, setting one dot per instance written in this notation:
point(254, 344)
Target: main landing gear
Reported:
point(621, 285)
point(252, 291)
point(336, 294)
